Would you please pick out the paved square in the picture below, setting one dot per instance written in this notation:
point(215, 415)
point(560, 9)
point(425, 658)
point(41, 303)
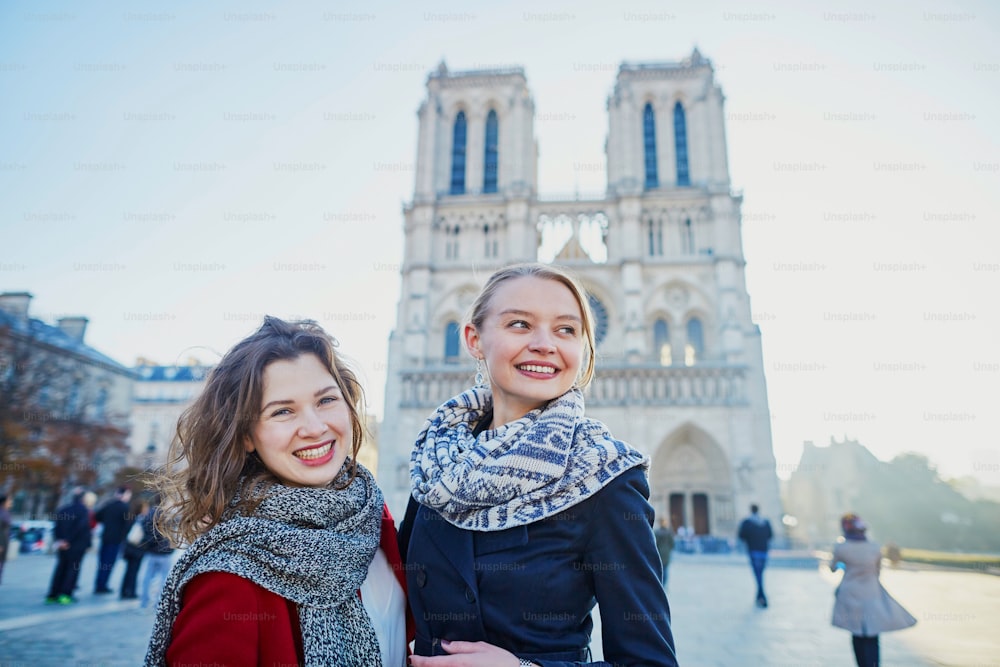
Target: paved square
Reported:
point(714, 619)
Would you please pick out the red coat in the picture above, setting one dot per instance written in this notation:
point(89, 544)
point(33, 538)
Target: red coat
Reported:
point(228, 620)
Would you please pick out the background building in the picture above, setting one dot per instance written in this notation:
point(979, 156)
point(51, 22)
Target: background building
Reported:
point(162, 393)
point(904, 500)
point(827, 483)
point(680, 373)
point(63, 408)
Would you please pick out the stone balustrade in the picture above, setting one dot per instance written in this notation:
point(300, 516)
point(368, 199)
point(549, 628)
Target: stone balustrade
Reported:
point(702, 385)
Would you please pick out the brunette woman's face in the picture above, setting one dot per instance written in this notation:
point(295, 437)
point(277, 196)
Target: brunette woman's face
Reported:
point(531, 341)
point(303, 432)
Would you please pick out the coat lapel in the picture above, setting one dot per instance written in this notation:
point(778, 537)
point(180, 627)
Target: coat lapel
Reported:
point(454, 543)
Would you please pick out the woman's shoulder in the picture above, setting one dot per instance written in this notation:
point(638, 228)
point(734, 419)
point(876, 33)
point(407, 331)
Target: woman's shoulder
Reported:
point(629, 490)
point(231, 590)
point(219, 580)
point(633, 480)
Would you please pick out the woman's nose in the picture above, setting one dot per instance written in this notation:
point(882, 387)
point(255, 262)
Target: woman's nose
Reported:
point(311, 425)
point(541, 341)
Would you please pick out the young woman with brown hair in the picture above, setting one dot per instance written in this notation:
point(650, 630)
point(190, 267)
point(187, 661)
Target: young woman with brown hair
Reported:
point(284, 527)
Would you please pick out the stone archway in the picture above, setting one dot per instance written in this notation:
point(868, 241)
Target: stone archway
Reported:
point(691, 482)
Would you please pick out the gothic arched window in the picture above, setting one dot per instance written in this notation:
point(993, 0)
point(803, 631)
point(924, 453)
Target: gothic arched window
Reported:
point(695, 347)
point(451, 346)
point(490, 160)
point(661, 342)
point(649, 146)
point(681, 145)
point(655, 228)
point(451, 242)
point(490, 242)
point(687, 238)
point(458, 156)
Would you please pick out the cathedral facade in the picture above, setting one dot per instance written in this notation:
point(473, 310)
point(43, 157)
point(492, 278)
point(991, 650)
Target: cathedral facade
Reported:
point(679, 366)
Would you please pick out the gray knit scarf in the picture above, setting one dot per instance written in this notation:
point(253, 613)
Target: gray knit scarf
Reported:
point(530, 469)
point(311, 546)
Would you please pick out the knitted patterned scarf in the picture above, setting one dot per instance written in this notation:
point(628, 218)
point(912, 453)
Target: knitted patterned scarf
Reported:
point(530, 469)
point(311, 546)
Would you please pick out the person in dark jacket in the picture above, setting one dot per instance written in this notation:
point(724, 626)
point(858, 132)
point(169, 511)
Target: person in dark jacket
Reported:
point(115, 519)
point(159, 555)
point(72, 539)
point(133, 553)
point(524, 512)
point(756, 532)
point(664, 546)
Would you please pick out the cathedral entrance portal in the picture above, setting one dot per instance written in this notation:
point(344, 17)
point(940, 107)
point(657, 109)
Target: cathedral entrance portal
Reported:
point(691, 483)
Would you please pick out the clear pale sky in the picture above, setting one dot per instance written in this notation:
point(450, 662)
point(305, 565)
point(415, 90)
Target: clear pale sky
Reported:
point(173, 171)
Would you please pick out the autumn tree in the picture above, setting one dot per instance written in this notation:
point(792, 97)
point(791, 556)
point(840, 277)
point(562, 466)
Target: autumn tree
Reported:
point(55, 428)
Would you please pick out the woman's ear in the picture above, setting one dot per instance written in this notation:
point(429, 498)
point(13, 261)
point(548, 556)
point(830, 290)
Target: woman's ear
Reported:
point(248, 445)
point(472, 341)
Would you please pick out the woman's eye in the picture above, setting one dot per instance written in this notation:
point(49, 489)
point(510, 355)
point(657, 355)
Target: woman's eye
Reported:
point(518, 324)
point(281, 412)
point(326, 400)
point(567, 330)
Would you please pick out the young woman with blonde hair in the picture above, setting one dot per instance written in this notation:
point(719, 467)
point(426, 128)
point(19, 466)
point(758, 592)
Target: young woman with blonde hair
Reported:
point(525, 512)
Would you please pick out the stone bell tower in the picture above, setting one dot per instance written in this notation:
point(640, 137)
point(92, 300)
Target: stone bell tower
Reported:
point(680, 371)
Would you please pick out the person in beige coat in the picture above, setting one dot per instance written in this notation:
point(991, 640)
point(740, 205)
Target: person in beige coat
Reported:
point(863, 606)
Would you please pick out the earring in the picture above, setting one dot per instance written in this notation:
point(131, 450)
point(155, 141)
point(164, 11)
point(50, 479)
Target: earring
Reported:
point(480, 378)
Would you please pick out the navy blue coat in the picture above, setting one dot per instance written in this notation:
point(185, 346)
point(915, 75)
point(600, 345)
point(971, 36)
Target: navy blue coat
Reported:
point(756, 532)
point(73, 525)
point(116, 521)
point(153, 541)
point(530, 589)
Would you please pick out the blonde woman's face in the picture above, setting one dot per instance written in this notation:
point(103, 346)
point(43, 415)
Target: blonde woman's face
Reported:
point(303, 432)
point(532, 343)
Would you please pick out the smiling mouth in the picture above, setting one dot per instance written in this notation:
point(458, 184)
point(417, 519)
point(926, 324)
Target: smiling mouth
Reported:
point(314, 452)
point(534, 368)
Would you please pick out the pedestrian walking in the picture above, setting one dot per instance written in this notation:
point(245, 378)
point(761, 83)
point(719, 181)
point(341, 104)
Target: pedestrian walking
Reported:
point(72, 539)
point(293, 556)
point(524, 511)
point(862, 606)
point(133, 551)
point(756, 532)
point(158, 555)
point(115, 521)
point(665, 546)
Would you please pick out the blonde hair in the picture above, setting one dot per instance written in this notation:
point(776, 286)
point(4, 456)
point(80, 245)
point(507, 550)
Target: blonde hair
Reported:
point(480, 308)
point(207, 458)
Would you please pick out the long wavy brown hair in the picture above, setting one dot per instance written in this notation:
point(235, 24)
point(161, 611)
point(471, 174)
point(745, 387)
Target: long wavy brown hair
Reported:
point(207, 458)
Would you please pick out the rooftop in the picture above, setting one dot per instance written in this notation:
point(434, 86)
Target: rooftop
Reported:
point(54, 337)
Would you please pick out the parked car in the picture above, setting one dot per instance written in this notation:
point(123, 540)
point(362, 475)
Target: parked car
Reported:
point(35, 535)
